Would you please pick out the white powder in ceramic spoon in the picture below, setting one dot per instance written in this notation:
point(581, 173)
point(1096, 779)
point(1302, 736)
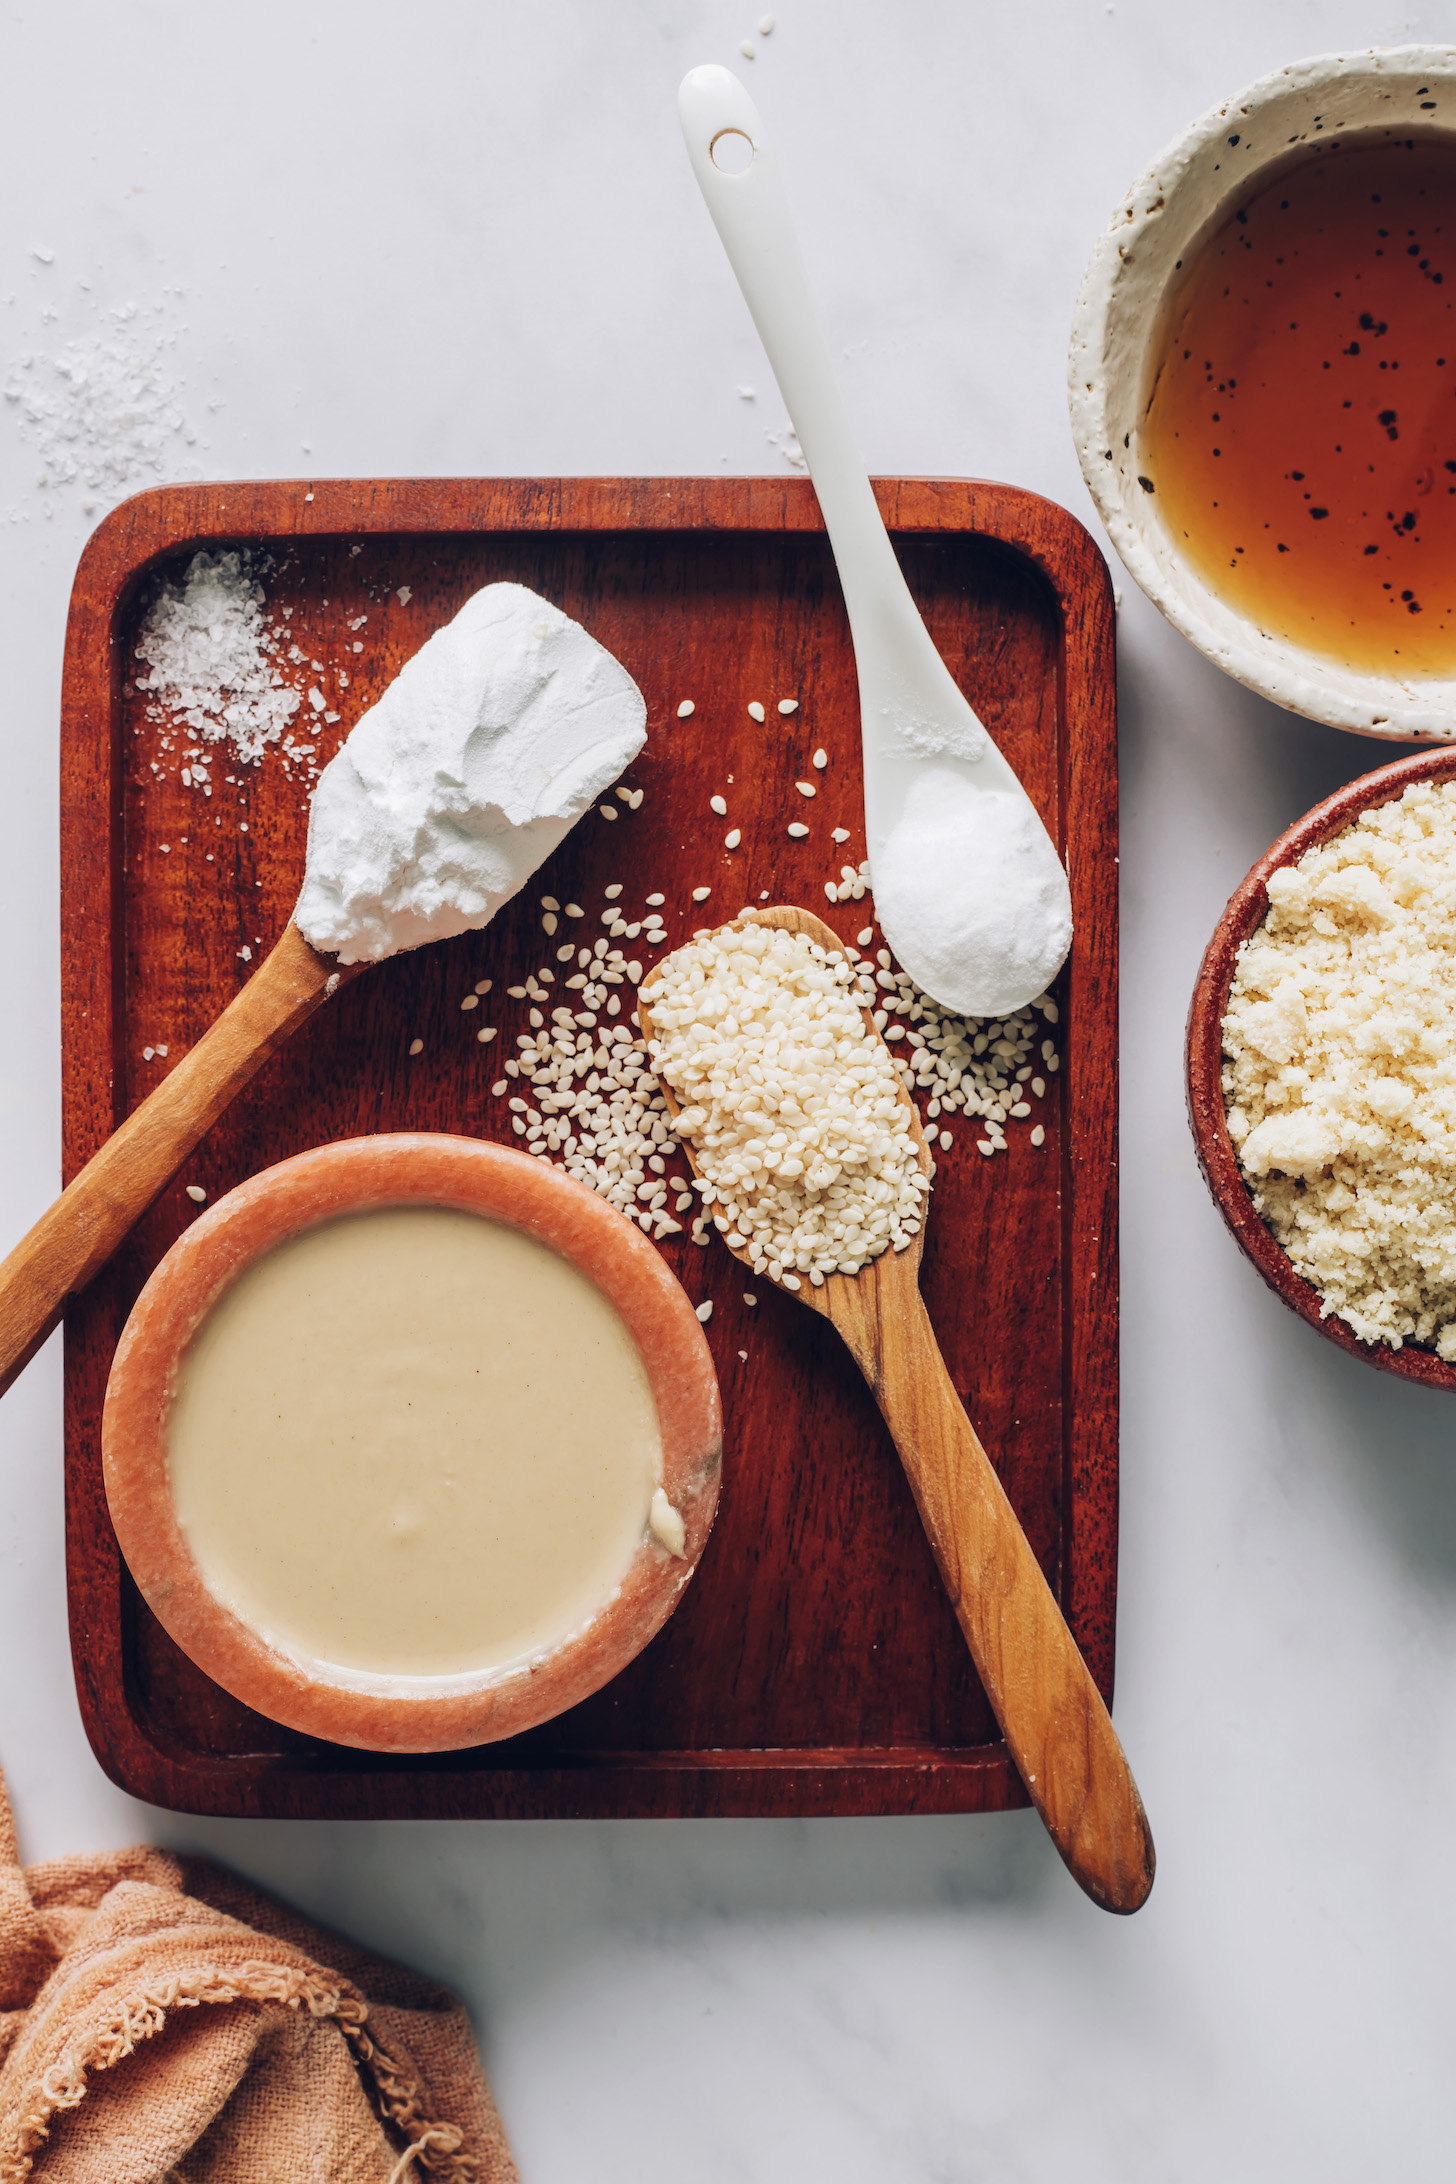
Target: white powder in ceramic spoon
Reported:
point(477, 761)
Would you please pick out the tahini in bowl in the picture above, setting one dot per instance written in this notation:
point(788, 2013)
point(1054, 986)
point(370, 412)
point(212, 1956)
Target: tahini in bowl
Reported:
point(1216, 1155)
point(379, 1706)
point(1118, 334)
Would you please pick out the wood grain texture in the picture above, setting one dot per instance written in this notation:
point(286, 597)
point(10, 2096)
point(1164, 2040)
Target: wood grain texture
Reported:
point(75, 1237)
point(1051, 1714)
point(816, 1666)
point(1204, 1061)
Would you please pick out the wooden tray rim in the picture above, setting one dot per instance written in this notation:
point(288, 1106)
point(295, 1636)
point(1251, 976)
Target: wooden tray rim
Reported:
point(800, 1780)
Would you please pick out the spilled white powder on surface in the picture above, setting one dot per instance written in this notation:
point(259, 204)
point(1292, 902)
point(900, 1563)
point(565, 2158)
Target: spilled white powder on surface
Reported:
point(482, 754)
point(104, 411)
point(208, 661)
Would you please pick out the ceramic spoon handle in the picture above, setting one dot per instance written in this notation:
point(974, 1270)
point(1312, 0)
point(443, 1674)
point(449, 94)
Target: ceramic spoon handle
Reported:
point(751, 213)
point(1052, 1715)
point(77, 1235)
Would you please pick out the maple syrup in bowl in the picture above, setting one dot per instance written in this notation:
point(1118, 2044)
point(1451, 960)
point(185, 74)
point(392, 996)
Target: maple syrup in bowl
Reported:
point(1263, 382)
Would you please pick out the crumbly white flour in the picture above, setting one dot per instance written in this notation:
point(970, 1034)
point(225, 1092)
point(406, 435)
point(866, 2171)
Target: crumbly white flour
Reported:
point(1340, 1077)
point(208, 660)
point(982, 949)
point(479, 758)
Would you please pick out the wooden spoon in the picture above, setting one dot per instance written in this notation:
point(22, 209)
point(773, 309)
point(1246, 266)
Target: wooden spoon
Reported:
point(1052, 1715)
point(77, 1235)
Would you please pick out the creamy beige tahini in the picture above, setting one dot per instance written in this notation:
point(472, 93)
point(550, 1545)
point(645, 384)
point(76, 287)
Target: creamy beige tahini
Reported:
point(413, 1441)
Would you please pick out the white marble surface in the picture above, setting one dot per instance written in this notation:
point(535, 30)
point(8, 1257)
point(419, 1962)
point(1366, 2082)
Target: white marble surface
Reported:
point(464, 238)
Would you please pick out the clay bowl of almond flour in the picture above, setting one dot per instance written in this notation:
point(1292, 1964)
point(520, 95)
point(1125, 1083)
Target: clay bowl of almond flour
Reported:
point(1328, 1167)
point(412, 1442)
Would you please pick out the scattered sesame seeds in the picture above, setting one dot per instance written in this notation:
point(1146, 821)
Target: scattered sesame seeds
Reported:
point(798, 830)
point(655, 902)
point(864, 938)
point(821, 759)
point(498, 1087)
point(686, 709)
point(749, 1298)
point(788, 705)
point(719, 804)
point(197, 1194)
point(806, 788)
point(486, 1033)
point(733, 837)
point(549, 922)
point(608, 811)
point(613, 891)
point(755, 709)
point(417, 1046)
point(549, 902)
point(705, 1310)
point(1038, 1135)
point(471, 1001)
point(701, 894)
point(482, 985)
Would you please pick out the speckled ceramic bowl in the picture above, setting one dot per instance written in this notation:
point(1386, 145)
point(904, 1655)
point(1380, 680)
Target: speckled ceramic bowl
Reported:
point(407, 1713)
point(1117, 334)
point(1216, 1156)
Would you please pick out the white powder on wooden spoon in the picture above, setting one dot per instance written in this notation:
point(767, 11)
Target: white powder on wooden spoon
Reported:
point(474, 765)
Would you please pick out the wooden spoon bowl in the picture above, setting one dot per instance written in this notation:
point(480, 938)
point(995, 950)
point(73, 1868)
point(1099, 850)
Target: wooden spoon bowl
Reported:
point(1206, 1011)
point(1056, 1725)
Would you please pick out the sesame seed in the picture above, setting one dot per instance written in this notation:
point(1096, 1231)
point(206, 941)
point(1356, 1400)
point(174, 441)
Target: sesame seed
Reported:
point(608, 811)
point(755, 709)
point(574, 910)
point(417, 1046)
point(791, 1281)
point(549, 922)
point(564, 955)
point(471, 1001)
point(498, 1087)
point(654, 901)
point(806, 788)
point(1038, 1135)
point(798, 830)
point(788, 705)
point(866, 936)
point(685, 709)
point(701, 894)
point(611, 893)
point(482, 985)
point(626, 796)
point(733, 837)
point(486, 1033)
point(821, 759)
point(705, 1310)
point(197, 1194)
point(549, 902)
point(718, 804)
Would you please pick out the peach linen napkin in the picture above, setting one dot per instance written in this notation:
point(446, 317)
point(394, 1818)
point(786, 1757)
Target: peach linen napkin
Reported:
point(162, 2022)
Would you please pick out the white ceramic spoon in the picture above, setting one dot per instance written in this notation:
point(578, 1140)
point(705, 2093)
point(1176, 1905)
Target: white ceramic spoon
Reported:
point(968, 886)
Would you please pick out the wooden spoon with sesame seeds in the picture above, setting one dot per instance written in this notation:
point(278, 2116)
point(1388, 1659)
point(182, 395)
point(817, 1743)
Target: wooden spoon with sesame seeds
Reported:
point(1053, 1717)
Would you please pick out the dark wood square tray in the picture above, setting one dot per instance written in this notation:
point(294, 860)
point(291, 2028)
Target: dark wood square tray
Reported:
point(814, 1666)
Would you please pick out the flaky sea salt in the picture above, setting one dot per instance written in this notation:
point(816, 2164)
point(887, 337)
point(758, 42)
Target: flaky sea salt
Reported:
point(208, 658)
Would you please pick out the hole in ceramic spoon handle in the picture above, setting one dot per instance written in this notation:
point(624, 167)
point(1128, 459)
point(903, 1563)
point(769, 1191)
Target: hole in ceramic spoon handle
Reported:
point(731, 152)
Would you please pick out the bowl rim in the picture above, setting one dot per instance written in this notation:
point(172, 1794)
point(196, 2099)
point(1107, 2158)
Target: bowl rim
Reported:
point(1204, 1060)
point(1422, 709)
point(407, 1713)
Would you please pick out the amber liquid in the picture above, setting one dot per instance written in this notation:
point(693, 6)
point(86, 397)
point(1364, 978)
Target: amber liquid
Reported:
point(1301, 436)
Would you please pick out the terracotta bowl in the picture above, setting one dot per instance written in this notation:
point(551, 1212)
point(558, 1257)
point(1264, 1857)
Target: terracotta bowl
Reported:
point(1117, 336)
point(407, 1713)
point(1216, 1155)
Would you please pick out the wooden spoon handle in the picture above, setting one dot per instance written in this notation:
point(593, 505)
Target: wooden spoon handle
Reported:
point(1052, 1715)
point(77, 1235)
